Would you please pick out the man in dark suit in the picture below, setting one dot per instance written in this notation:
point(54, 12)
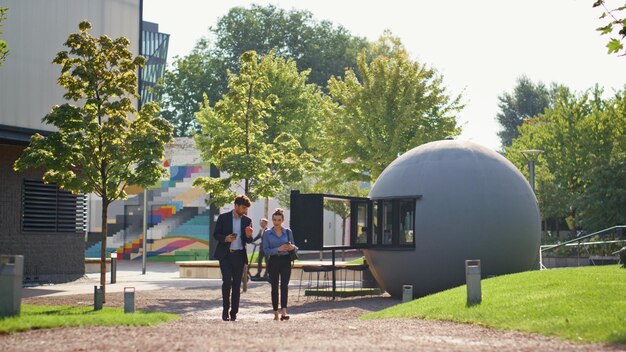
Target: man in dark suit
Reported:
point(232, 231)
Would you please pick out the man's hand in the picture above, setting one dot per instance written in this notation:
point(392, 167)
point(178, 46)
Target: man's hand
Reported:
point(249, 230)
point(230, 238)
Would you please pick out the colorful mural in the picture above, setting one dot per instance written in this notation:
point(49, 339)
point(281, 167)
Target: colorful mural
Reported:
point(178, 222)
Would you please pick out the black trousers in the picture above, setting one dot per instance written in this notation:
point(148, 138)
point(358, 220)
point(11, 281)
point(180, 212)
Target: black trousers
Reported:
point(260, 261)
point(279, 266)
point(231, 267)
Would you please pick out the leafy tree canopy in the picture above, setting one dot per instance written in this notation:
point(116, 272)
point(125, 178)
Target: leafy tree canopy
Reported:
point(395, 105)
point(253, 133)
point(615, 25)
point(98, 147)
point(321, 47)
point(583, 166)
point(527, 100)
point(184, 86)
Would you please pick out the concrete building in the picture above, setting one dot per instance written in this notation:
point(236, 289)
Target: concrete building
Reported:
point(39, 221)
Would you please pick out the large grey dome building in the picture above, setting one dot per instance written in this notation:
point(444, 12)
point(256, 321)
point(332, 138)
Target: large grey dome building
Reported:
point(470, 203)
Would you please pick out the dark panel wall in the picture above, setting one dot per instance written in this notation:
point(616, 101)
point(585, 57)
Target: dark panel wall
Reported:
point(56, 257)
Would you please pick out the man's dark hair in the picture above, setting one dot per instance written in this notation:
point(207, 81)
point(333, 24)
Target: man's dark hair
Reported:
point(243, 200)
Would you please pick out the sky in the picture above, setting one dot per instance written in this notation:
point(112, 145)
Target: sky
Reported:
point(480, 47)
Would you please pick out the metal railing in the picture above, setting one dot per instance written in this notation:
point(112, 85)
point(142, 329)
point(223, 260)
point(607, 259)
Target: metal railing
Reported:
point(578, 241)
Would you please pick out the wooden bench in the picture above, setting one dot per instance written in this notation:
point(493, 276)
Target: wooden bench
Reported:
point(205, 269)
point(210, 269)
point(92, 265)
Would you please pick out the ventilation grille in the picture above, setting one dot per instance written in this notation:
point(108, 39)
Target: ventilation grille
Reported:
point(46, 208)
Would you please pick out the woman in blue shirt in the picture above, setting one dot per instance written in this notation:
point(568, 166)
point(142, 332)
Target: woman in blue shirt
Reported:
point(277, 242)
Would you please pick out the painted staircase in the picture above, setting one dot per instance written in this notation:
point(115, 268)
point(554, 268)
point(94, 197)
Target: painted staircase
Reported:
point(196, 227)
point(165, 227)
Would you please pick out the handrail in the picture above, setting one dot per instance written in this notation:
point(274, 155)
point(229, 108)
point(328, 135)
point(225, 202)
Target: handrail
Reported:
point(586, 243)
point(578, 239)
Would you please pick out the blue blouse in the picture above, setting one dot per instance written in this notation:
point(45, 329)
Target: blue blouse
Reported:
point(271, 241)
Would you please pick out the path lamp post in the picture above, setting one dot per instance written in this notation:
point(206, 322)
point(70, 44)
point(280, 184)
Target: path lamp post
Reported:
point(531, 157)
point(145, 230)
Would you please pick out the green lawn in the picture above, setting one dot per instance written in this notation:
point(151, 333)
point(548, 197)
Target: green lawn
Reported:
point(38, 317)
point(583, 304)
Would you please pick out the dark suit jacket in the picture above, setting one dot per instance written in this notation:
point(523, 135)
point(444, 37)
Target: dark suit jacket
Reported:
point(223, 228)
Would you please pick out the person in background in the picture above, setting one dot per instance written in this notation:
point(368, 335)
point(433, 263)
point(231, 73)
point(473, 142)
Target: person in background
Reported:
point(277, 242)
point(259, 237)
point(233, 230)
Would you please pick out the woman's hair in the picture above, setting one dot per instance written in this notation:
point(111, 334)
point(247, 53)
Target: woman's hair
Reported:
point(279, 212)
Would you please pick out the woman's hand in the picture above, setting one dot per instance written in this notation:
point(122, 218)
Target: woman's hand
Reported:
point(286, 247)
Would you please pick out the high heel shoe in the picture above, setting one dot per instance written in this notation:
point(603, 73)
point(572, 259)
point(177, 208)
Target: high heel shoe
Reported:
point(284, 317)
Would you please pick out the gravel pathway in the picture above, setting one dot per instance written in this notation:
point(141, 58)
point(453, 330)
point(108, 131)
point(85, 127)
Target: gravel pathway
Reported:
point(314, 326)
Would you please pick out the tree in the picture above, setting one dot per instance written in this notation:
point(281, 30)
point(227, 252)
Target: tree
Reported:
point(247, 136)
point(585, 149)
point(396, 105)
point(299, 110)
point(96, 148)
point(183, 87)
point(527, 100)
point(3, 45)
point(322, 47)
point(616, 25)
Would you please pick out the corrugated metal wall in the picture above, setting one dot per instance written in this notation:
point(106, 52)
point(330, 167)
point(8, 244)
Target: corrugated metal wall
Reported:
point(35, 31)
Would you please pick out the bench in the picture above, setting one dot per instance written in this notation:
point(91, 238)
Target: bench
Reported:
point(210, 269)
point(204, 269)
point(92, 265)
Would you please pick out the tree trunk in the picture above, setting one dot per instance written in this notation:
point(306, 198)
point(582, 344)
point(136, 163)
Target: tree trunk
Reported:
point(103, 252)
point(267, 208)
point(558, 232)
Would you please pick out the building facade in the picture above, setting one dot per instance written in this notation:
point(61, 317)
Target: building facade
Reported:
point(39, 221)
point(154, 48)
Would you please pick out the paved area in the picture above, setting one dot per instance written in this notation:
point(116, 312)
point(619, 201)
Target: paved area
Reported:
point(129, 274)
point(315, 325)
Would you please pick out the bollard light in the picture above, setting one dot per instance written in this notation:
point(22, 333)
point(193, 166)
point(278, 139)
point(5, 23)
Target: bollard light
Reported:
point(129, 300)
point(407, 293)
point(97, 298)
point(472, 278)
point(113, 267)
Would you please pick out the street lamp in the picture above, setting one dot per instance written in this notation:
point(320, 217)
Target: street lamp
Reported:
point(531, 157)
point(145, 230)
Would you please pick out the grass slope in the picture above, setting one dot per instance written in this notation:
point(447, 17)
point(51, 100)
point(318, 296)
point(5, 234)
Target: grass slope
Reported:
point(583, 304)
point(38, 317)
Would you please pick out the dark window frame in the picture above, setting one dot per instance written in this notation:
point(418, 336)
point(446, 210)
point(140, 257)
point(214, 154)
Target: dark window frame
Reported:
point(307, 221)
point(395, 234)
point(354, 219)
